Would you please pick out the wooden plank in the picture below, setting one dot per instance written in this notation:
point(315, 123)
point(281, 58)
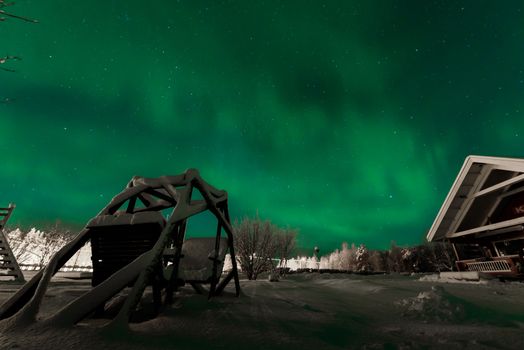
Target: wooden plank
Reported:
point(491, 227)
point(500, 185)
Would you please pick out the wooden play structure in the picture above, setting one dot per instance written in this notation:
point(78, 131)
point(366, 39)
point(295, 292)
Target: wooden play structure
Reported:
point(134, 245)
point(483, 217)
point(8, 264)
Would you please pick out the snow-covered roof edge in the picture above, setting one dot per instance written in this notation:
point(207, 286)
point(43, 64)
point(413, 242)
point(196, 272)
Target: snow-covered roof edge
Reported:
point(516, 164)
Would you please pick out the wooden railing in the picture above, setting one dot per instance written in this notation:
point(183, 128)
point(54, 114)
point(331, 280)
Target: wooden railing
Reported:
point(504, 265)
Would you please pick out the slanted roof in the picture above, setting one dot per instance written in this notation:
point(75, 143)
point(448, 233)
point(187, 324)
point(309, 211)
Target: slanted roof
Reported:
point(476, 194)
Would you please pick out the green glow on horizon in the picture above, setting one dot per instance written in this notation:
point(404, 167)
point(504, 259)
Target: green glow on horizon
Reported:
point(346, 120)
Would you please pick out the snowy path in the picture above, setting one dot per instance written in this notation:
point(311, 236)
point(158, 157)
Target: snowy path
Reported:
point(310, 312)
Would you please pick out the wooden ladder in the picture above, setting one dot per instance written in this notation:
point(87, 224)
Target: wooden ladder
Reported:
point(8, 264)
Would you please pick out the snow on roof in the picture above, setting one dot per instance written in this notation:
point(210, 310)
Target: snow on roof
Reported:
point(480, 176)
point(121, 218)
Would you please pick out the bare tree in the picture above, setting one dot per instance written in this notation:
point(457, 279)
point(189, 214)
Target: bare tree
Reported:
point(285, 246)
point(257, 242)
point(441, 256)
point(394, 258)
point(378, 260)
point(4, 15)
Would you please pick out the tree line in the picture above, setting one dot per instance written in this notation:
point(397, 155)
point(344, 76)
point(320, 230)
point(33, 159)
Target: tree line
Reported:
point(427, 257)
point(259, 244)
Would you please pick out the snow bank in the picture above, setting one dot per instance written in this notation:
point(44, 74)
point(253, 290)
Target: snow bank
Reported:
point(459, 277)
point(432, 305)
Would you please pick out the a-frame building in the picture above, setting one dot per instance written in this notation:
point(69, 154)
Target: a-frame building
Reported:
point(483, 216)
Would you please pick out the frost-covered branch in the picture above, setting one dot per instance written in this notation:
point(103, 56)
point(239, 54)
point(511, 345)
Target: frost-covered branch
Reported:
point(5, 14)
point(35, 248)
point(257, 242)
point(5, 59)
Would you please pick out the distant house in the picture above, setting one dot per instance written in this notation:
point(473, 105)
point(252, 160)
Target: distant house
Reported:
point(483, 216)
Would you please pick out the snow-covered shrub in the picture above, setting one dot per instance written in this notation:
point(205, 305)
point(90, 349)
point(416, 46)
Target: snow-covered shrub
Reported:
point(36, 247)
point(33, 249)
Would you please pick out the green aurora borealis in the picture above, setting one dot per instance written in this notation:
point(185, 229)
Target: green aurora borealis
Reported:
point(345, 119)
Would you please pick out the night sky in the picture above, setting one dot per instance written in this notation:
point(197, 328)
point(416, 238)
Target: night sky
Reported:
point(346, 120)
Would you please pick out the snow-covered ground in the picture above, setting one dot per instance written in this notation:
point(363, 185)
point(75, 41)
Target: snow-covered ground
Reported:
point(303, 311)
